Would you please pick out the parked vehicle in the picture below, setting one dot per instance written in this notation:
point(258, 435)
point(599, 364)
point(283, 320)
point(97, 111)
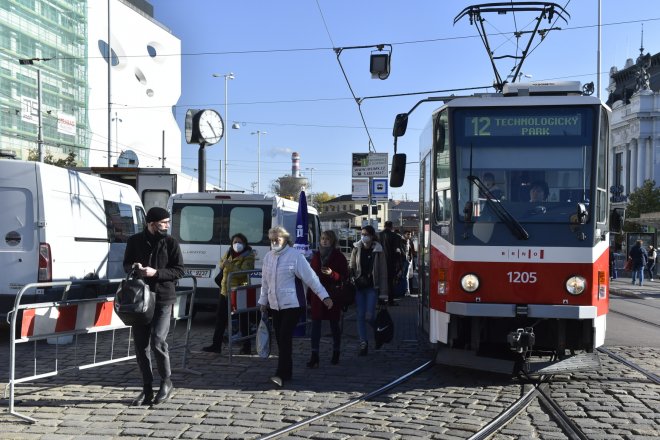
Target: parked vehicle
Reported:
point(153, 185)
point(58, 224)
point(203, 223)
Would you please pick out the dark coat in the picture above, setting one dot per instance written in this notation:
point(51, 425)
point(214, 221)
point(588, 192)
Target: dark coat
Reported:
point(394, 251)
point(164, 255)
point(639, 256)
point(339, 266)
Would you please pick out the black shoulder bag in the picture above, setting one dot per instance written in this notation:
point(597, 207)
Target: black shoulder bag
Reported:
point(134, 301)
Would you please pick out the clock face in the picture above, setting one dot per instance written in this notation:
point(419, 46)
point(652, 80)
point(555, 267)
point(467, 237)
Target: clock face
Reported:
point(211, 127)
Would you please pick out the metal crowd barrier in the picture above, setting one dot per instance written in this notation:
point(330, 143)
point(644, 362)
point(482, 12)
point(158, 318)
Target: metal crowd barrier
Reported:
point(71, 318)
point(242, 305)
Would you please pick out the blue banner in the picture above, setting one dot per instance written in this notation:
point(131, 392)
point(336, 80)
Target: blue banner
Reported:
point(302, 226)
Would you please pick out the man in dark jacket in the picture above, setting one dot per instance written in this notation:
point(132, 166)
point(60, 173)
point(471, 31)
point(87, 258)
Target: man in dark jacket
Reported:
point(394, 256)
point(639, 259)
point(158, 259)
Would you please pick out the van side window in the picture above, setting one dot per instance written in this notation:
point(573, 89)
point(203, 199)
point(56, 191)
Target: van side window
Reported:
point(249, 221)
point(119, 221)
point(196, 223)
point(141, 218)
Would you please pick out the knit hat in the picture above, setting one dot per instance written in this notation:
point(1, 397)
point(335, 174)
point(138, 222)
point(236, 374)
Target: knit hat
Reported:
point(157, 214)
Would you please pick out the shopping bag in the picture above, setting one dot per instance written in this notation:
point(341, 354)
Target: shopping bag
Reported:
point(263, 337)
point(384, 327)
point(134, 301)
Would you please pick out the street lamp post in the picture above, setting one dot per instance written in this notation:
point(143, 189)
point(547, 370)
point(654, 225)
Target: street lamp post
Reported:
point(259, 133)
point(40, 139)
point(227, 77)
point(311, 183)
point(116, 120)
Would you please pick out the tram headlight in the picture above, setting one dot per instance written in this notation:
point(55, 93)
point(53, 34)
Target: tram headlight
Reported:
point(470, 282)
point(575, 285)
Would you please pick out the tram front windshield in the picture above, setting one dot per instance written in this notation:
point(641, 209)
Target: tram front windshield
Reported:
point(534, 162)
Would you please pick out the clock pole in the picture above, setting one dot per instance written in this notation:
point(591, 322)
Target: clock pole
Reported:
point(201, 168)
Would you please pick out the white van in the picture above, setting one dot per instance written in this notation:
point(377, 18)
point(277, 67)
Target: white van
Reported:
point(203, 223)
point(58, 224)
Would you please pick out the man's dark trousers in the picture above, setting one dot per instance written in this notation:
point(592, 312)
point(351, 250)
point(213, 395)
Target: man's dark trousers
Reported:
point(154, 336)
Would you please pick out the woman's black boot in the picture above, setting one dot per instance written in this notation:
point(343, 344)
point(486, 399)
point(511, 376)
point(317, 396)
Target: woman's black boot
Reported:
point(314, 361)
point(335, 358)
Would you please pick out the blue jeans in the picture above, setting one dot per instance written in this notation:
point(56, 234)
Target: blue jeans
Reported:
point(639, 271)
point(365, 302)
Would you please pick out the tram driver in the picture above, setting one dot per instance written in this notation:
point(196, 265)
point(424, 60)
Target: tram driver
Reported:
point(489, 181)
point(538, 191)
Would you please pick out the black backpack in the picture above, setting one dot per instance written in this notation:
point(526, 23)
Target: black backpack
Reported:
point(134, 301)
point(384, 331)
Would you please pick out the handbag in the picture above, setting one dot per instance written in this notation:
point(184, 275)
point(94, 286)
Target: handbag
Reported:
point(363, 282)
point(218, 278)
point(345, 293)
point(628, 266)
point(263, 337)
point(134, 301)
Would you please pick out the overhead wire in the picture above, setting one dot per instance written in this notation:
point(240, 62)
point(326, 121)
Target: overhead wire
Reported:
point(350, 87)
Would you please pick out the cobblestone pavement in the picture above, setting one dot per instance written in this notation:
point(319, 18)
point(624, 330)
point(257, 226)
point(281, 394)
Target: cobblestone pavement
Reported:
point(235, 400)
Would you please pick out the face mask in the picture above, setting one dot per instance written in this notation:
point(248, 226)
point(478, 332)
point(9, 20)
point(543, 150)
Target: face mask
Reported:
point(366, 239)
point(238, 247)
point(276, 247)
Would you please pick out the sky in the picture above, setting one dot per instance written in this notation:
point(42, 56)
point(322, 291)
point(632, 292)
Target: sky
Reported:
point(289, 82)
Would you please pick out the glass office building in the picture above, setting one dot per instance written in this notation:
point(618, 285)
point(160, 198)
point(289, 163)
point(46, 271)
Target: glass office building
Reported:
point(54, 31)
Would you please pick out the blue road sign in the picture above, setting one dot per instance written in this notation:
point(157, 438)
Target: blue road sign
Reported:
point(379, 188)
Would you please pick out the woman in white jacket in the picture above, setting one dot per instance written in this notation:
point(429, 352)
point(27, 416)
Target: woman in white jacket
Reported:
point(283, 273)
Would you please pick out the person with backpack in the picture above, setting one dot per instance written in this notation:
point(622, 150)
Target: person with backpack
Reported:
point(331, 267)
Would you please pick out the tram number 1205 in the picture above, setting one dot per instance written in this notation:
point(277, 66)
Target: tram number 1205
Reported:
point(522, 277)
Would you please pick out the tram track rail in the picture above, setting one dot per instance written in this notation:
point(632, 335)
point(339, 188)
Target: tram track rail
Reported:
point(294, 427)
point(636, 318)
point(539, 391)
point(650, 375)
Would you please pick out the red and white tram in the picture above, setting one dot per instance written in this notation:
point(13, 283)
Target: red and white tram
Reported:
point(514, 233)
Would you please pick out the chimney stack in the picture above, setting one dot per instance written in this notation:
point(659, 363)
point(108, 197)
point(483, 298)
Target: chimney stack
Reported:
point(295, 164)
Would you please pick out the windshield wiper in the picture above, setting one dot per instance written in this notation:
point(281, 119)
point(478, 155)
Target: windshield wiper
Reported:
point(514, 226)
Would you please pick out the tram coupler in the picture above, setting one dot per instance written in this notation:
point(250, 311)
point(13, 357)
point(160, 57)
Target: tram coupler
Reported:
point(522, 340)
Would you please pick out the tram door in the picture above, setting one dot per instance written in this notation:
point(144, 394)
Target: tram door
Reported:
point(424, 252)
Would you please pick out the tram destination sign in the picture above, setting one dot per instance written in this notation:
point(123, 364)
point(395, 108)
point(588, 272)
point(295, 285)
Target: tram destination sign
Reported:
point(527, 125)
point(369, 164)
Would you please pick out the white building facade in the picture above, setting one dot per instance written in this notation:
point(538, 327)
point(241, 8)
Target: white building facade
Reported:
point(144, 83)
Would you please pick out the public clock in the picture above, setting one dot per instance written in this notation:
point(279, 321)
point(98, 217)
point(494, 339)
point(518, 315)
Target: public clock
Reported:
point(203, 127)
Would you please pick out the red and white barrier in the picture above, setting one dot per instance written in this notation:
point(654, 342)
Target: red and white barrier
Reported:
point(68, 318)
